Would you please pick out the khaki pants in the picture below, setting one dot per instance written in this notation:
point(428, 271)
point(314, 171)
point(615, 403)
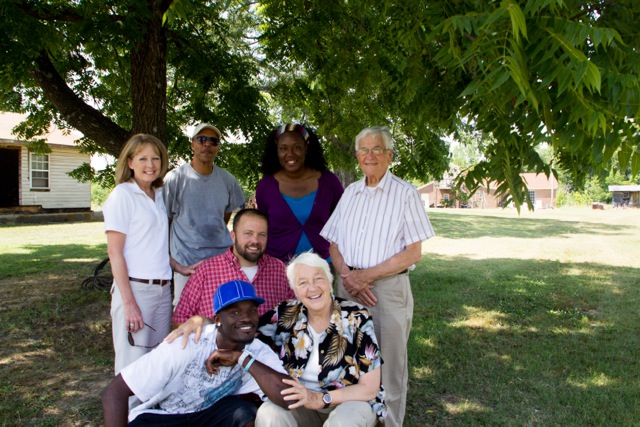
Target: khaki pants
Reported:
point(154, 302)
point(179, 282)
point(347, 414)
point(392, 317)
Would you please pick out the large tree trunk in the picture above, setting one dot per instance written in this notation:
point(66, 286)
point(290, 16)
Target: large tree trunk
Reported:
point(149, 75)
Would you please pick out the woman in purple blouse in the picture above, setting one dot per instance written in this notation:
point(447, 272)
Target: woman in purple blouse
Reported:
point(297, 192)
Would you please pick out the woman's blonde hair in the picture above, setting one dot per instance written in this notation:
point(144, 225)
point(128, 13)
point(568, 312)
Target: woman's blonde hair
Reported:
point(133, 147)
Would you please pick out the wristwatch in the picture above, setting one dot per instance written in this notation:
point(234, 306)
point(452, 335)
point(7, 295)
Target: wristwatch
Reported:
point(327, 399)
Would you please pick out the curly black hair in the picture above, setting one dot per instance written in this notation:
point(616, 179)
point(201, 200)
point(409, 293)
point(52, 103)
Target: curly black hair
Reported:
point(314, 158)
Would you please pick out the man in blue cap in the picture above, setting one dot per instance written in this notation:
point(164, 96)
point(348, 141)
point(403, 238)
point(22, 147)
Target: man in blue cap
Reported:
point(200, 385)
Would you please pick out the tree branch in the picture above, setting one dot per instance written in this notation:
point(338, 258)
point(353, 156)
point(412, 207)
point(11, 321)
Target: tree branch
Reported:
point(77, 113)
point(592, 8)
point(46, 13)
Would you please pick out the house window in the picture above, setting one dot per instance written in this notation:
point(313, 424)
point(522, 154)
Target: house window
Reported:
point(446, 197)
point(39, 171)
point(532, 196)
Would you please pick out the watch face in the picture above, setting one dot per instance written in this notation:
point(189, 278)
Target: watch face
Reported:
point(326, 398)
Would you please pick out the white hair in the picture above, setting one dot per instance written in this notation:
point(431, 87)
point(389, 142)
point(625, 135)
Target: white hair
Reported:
point(309, 259)
point(381, 131)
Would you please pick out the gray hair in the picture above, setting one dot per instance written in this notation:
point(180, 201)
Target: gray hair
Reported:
point(309, 259)
point(381, 131)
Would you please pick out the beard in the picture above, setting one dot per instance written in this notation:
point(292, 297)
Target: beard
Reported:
point(249, 256)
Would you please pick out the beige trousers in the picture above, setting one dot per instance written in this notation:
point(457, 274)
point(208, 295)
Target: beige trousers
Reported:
point(392, 317)
point(155, 305)
point(179, 282)
point(347, 414)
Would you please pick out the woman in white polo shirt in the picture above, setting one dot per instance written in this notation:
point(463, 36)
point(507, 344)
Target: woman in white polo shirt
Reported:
point(136, 224)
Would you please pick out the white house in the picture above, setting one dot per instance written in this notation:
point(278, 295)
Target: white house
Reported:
point(40, 181)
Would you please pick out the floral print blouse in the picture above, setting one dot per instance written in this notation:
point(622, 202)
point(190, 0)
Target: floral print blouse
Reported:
point(348, 347)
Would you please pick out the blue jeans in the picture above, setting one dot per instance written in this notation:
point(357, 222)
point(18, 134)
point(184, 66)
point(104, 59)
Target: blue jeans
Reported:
point(230, 411)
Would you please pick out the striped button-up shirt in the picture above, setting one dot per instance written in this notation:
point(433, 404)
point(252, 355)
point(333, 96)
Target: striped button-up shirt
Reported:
point(372, 224)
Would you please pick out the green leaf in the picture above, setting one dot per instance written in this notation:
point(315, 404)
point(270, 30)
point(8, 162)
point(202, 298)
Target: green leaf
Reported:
point(518, 23)
point(624, 155)
point(635, 164)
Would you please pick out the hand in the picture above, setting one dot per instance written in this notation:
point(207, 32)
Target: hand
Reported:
point(133, 317)
point(366, 297)
point(301, 394)
point(186, 270)
point(219, 358)
point(194, 324)
point(355, 281)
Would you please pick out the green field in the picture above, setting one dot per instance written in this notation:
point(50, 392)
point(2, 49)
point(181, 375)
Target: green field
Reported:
point(519, 320)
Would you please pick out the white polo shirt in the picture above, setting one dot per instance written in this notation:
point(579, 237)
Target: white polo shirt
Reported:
point(130, 211)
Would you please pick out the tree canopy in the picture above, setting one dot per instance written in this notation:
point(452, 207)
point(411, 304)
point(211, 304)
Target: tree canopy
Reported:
point(112, 69)
point(525, 72)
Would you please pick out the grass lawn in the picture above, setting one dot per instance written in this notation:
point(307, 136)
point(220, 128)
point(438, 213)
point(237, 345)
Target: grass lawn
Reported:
point(527, 320)
point(519, 320)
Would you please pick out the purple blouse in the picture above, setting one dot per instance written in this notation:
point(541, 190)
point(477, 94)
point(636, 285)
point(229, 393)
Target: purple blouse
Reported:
point(284, 228)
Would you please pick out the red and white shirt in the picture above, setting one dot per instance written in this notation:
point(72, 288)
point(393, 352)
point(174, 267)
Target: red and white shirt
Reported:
point(270, 283)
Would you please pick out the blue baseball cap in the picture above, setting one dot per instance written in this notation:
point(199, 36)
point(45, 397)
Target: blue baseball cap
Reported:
point(233, 292)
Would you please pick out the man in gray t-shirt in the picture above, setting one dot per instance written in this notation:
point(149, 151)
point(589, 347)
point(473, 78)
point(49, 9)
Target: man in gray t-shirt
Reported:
point(200, 198)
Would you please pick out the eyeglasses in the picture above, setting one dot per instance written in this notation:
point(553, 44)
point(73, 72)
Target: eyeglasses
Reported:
point(214, 140)
point(376, 151)
point(133, 344)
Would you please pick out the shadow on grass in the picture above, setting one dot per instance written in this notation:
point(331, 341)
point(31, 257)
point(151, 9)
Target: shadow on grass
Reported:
point(524, 342)
point(34, 259)
point(55, 357)
point(471, 226)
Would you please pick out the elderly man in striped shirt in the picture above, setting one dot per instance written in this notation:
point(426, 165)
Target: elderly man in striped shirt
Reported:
point(376, 235)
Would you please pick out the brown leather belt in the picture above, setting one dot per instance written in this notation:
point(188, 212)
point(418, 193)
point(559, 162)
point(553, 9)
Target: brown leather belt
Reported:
point(160, 282)
point(406, 270)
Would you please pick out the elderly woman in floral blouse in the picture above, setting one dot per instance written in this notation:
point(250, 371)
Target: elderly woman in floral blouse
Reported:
point(328, 346)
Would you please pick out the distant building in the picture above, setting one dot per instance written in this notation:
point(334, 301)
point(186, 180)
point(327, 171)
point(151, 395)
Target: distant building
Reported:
point(30, 181)
point(625, 195)
point(542, 190)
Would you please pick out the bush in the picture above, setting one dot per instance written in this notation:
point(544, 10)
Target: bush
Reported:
point(572, 198)
point(98, 194)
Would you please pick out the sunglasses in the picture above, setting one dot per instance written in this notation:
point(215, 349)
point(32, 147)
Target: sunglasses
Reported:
point(133, 344)
point(214, 140)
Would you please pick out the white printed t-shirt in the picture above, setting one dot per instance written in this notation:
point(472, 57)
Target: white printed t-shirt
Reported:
point(172, 380)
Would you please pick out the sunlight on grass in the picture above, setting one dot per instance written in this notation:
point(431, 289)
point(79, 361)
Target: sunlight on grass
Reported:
point(598, 380)
point(78, 260)
point(464, 405)
point(26, 356)
point(422, 373)
point(573, 271)
point(477, 318)
point(425, 342)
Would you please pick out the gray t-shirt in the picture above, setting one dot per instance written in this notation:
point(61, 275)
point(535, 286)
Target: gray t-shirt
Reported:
point(196, 205)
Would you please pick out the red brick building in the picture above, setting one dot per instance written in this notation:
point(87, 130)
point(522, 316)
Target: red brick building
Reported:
point(542, 190)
